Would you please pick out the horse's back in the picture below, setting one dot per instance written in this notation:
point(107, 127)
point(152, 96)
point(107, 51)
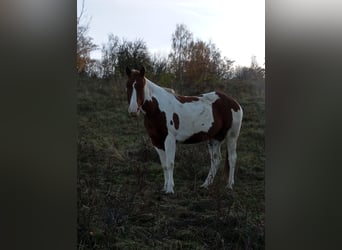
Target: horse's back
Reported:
point(202, 117)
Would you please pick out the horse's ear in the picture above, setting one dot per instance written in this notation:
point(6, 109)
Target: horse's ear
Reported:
point(128, 71)
point(142, 71)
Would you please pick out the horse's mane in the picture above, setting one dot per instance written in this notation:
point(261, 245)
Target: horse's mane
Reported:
point(172, 91)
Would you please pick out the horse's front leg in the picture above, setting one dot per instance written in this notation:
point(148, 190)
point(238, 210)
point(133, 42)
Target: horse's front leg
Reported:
point(162, 157)
point(170, 150)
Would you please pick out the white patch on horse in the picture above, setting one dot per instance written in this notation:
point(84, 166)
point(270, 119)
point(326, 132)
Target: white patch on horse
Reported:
point(194, 117)
point(147, 93)
point(133, 105)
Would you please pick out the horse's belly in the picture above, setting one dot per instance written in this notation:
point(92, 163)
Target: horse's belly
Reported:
point(196, 138)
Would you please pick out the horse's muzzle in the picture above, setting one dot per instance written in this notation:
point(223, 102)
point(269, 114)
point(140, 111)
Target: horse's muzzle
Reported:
point(134, 113)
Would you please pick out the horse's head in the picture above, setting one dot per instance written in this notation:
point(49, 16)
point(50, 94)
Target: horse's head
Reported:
point(135, 89)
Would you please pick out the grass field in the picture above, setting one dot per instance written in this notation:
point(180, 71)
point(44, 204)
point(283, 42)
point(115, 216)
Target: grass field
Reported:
point(120, 205)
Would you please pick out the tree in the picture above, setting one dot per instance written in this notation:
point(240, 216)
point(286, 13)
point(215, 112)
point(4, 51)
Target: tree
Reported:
point(133, 54)
point(205, 65)
point(84, 44)
point(95, 69)
point(258, 72)
point(181, 41)
point(226, 69)
point(254, 63)
point(254, 72)
point(197, 65)
point(159, 65)
point(242, 73)
point(110, 52)
point(160, 70)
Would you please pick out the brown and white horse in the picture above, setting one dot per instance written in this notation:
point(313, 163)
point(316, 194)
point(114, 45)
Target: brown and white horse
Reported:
point(171, 118)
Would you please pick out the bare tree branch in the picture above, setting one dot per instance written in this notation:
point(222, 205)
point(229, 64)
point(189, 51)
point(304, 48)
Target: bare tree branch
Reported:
point(82, 10)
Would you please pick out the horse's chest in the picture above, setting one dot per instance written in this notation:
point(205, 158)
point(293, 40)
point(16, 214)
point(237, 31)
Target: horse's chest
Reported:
point(157, 129)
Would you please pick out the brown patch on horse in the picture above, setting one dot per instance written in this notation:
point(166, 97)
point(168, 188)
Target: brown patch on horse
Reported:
point(175, 119)
point(222, 116)
point(155, 123)
point(184, 99)
point(228, 101)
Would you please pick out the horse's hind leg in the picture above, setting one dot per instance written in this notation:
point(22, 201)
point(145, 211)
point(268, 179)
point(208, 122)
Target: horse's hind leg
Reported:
point(231, 148)
point(170, 150)
point(232, 137)
point(215, 158)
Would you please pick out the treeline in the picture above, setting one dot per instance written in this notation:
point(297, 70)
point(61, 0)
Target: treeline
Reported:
point(191, 62)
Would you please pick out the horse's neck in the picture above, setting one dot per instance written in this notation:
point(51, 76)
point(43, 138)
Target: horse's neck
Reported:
point(153, 90)
point(154, 94)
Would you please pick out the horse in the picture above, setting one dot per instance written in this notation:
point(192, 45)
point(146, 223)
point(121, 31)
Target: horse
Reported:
point(170, 118)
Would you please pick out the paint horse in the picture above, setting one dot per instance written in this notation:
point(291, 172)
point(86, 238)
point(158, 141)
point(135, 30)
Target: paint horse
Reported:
point(171, 118)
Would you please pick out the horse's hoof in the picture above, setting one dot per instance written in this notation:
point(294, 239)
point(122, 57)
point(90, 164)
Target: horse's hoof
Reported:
point(169, 191)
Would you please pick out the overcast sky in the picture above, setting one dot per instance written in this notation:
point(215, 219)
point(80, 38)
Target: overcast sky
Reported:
point(236, 27)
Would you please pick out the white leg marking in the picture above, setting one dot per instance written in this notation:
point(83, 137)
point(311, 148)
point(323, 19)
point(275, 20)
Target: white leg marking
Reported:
point(162, 157)
point(170, 149)
point(231, 144)
point(232, 137)
point(214, 147)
